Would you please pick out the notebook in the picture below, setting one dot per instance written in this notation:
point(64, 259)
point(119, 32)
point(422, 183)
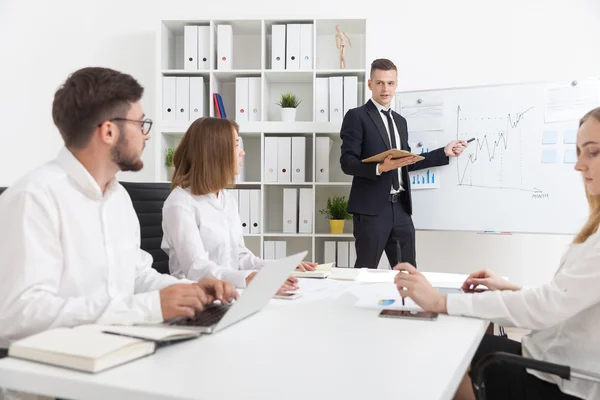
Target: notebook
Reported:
point(395, 153)
point(95, 348)
point(321, 271)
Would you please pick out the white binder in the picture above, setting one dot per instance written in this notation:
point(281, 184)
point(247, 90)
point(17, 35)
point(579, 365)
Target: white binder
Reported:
point(197, 96)
point(254, 110)
point(298, 159)
point(169, 90)
point(269, 250)
point(351, 254)
point(183, 98)
point(190, 48)
point(245, 210)
point(255, 211)
point(342, 255)
point(236, 196)
point(280, 249)
point(241, 177)
point(224, 47)
point(322, 158)
point(305, 210)
point(322, 100)
point(278, 47)
point(350, 93)
point(336, 102)
point(241, 99)
point(329, 252)
point(290, 210)
point(306, 46)
point(271, 145)
point(293, 47)
point(204, 59)
point(284, 159)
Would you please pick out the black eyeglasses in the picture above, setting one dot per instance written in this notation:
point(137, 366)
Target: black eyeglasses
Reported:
point(145, 124)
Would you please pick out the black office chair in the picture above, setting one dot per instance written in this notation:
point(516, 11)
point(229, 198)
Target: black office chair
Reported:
point(148, 199)
point(563, 371)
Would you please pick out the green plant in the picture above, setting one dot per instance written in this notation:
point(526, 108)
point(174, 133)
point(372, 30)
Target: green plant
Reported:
point(336, 208)
point(288, 100)
point(169, 157)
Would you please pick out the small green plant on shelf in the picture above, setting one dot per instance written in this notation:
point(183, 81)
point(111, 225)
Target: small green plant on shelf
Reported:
point(288, 103)
point(169, 157)
point(336, 212)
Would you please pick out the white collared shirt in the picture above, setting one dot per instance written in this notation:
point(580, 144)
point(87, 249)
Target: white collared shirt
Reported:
point(398, 143)
point(70, 255)
point(203, 237)
point(564, 316)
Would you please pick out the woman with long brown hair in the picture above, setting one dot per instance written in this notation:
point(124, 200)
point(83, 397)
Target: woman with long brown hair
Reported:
point(202, 228)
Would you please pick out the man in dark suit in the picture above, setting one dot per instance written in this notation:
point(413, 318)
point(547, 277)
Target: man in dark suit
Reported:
point(380, 198)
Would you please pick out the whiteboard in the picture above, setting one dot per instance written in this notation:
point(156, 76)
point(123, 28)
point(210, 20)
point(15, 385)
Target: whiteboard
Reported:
point(518, 174)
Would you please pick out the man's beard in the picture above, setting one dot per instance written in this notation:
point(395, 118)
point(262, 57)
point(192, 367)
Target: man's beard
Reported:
point(125, 163)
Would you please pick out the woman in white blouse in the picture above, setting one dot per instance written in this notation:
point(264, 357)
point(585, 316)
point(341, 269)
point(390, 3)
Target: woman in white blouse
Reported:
point(564, 314)
point(202, 228)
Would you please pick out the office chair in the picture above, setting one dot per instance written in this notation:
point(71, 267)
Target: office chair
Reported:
point(148, 199)
point(563, 371)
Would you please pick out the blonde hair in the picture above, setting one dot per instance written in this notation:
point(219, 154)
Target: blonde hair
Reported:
point(591, 226)
point(204, 161)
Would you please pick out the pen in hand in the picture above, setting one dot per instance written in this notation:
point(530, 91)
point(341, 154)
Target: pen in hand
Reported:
point(399, 259)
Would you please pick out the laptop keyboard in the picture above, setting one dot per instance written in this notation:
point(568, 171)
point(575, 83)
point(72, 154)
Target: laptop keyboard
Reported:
point(207, 317)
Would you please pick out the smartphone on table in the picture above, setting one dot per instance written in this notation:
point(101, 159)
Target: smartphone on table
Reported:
point(417, 315)
point(287, 296)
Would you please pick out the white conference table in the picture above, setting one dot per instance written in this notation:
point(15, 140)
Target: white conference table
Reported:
point(321, 346)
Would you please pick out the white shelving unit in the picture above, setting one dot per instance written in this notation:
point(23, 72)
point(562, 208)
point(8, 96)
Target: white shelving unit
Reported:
point(251, 57)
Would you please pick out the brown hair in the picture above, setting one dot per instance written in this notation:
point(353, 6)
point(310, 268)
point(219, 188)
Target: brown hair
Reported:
point(90, 96)
point(204, 160)
point(591, 226)
point(382, 64)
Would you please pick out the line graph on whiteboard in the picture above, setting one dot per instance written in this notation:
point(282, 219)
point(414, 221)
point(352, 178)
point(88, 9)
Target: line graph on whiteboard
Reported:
point(495, 160)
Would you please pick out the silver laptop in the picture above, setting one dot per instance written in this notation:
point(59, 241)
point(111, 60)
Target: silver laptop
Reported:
point(258, 293)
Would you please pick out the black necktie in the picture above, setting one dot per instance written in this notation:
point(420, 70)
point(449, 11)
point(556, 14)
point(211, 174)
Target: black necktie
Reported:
point(388, 114)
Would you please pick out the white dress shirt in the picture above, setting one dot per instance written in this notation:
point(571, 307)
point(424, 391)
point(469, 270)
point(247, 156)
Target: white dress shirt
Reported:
point(203, 237)
point(398, 143)
point(71, 255)
point(564, 316)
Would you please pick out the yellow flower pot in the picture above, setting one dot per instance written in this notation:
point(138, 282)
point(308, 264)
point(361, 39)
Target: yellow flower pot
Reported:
point(336, 225)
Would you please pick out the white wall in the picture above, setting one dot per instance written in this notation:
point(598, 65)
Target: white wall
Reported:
point(435, 44)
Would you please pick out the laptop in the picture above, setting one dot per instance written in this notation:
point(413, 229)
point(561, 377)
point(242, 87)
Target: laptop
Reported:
point(258, 293)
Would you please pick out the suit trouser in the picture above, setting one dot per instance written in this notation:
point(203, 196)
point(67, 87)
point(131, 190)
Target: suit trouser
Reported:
point(373, 234)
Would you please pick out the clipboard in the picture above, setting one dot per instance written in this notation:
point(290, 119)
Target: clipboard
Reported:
point(395, 153)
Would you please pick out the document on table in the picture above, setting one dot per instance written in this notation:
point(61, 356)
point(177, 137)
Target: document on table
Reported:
point(381, 296)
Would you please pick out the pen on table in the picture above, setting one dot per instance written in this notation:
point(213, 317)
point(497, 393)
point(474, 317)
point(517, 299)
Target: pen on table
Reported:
point(399, 259)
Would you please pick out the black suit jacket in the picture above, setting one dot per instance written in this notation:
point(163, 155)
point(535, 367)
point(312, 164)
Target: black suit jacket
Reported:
point(364, 135)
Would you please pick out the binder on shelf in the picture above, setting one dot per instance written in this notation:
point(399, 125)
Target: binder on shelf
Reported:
point(322, 99)
point(298, 159)
point(284, 159)
point(269, 250)
point(245, 210)
point(169, 98)
point(235, 194)
point(255, 225)
point(280, 249)
point(278, 47)
point(219, 107)
point(329, 254)
point(293, 47)
point(306, 46)
point(271, 146)
point(342, 254)
point(254, 110)
point(224, 47)
point(204, 59)
point(336, 102)
point(305, 210)
point(290, 210)
point(350, 93)
point(197, 95)
point(241, 99)
point(323, 144)
point(183, 98)
point(190, 48)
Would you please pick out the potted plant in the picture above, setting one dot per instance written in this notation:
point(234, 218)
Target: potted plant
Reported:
point(288, 104)
point(336, 212)
point(169, 163)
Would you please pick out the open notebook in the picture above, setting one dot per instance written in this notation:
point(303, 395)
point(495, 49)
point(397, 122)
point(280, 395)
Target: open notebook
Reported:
point(322, 271)
point(95, 348)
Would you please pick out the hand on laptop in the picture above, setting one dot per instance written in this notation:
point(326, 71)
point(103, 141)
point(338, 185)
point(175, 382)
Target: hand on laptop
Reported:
point(307, 266)
point(182, 300)
point(216, 289)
